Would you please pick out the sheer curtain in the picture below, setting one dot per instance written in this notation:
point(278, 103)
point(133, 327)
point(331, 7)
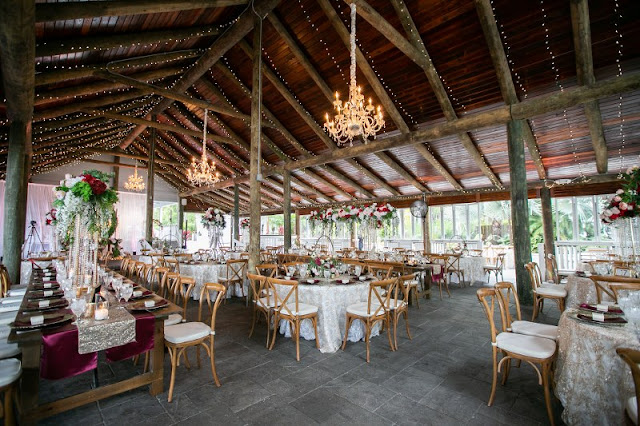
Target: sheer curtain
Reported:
point(131, 217)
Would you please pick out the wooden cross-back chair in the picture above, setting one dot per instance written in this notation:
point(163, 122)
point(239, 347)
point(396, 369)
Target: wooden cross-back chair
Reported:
point(236, 271)
point(267, 269)
point(453, 267)
point(289, 308)
point(537, 351)
point(497, 269)
point(610, 285)
point(632, 358)
point(263, 304)
point(180, 290)
point(399, 304)
point(552, 292)
point(376, 309)
point(380, 271)
point(439, 278)
point(172, 264)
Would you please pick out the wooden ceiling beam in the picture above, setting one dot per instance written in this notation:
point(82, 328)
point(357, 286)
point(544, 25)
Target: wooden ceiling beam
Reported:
point(584, 70)
point(346, 179)
point(503, 72)
point(104, 42)
point(56, 76)
point(47, 146)
point(80, 105)
point(417, 52)
point(155, 124)
point(98, 87)
point(375, 178)
point(90, 9)
point(118, 153)
point(501, 115)
point(240, 28)
point(313, 175)
point(402, 172)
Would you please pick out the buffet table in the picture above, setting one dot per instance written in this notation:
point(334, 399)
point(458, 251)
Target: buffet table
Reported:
point(592, 382)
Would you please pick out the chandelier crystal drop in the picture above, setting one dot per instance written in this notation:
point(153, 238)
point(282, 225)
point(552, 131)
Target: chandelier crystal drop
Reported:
point(353, 118)
point(135, 182)
point(203, 173)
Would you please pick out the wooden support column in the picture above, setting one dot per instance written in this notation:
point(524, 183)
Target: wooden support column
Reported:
point(181, 226)
point(17, 44)
point(519, 208)
point(298, 228)
point(15, 196)
point(116, 173)
point(286, 209)
point(236, 212)
point(148, 235)
point(426, 233)
point(547, 225)
point(256, 133)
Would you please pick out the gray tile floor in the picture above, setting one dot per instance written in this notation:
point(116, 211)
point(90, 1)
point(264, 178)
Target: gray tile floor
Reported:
point(440, 377)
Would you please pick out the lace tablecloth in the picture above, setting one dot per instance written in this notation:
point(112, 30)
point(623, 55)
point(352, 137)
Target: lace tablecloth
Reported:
point(332, 301)
point(473, 267)
point(581, 290)
point(209, 273)
point(592, 382)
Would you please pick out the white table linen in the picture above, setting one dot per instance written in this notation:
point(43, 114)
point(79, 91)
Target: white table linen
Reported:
point(592, 382)
point(332, 301)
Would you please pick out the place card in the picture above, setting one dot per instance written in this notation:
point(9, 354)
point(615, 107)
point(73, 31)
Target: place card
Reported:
point(37, 320)
point(149, 303)
point(48, 293)
point(602, 307)
point(43, 303)
point(47, 285)
point(137, 293)
point(597, 317)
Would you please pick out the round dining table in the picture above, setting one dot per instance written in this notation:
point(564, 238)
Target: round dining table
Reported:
point(332, 300)
point(592, 381)
point(582, 290)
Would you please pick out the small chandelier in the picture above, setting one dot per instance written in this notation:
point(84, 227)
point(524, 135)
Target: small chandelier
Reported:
point(353, 118)
point(135, 182)
point(203, 173)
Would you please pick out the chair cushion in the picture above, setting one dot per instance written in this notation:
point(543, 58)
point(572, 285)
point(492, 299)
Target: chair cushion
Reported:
point(396, 303)
point(265, 302)
point(173, 320)
point(10, 370)
point(535, 329)
point(531, 346)
point(551, 291)
point(360, 309)
point(551, 284)
point(8, 350)
point(303, 309)
point(632, 409)
point(186, 332)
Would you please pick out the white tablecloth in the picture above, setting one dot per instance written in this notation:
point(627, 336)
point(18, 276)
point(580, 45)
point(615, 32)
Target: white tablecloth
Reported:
point(581, 290)
point(592, 382)
point(209, 273)
point(473, 267)
point(332, 301)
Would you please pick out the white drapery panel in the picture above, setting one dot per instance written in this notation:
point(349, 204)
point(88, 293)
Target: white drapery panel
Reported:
point(130, 208)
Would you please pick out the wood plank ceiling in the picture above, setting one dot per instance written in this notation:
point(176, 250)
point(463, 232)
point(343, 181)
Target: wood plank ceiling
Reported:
point(532, 45)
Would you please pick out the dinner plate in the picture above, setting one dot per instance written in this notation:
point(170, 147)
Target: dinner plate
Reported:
point(53, 304)
point(24, 323)
point(139, 306)
point(613, 309)
point(39, 294)
point(608, 320)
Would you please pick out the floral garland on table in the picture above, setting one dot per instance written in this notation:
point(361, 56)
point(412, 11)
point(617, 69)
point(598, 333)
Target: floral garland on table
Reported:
point(244, 223)
point(626, 202)
point(89, 197)
point(377, 216)
point(214, 217)
point(50, 218)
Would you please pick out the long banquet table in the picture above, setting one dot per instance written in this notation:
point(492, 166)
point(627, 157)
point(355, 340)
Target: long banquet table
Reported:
point(42, 356)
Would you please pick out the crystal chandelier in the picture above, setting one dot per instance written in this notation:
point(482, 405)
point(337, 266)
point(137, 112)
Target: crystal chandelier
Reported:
point(135, 182)
point(354, 118)
point(203, 173)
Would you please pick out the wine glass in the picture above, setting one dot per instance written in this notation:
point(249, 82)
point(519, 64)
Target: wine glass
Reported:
point(126, 291)
point(78, 306)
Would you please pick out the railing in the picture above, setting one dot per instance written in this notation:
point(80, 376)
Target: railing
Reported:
point(570, 254)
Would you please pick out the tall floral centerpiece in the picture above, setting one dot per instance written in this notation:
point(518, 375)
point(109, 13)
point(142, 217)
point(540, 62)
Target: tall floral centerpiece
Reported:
point(244, 226)
point(623, 210)
point(51, 219)
point(84, 216)
point(213, 220)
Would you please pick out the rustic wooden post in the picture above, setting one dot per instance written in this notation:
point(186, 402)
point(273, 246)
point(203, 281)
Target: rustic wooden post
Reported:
point(256, 131)
point(547, 226)
point(116, 173)
point(148, 235)
point(426, 234)
point(519, 208)
point(236, 213)
point(298, 228)
point(286, 186)
point(181, 227)
point(17, 43)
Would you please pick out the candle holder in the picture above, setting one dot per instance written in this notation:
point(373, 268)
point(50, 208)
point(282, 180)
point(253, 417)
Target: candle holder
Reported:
point(102, 311)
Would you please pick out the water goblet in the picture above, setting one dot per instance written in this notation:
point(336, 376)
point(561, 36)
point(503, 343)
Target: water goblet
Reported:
point(78, 306)
point(126, 291)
